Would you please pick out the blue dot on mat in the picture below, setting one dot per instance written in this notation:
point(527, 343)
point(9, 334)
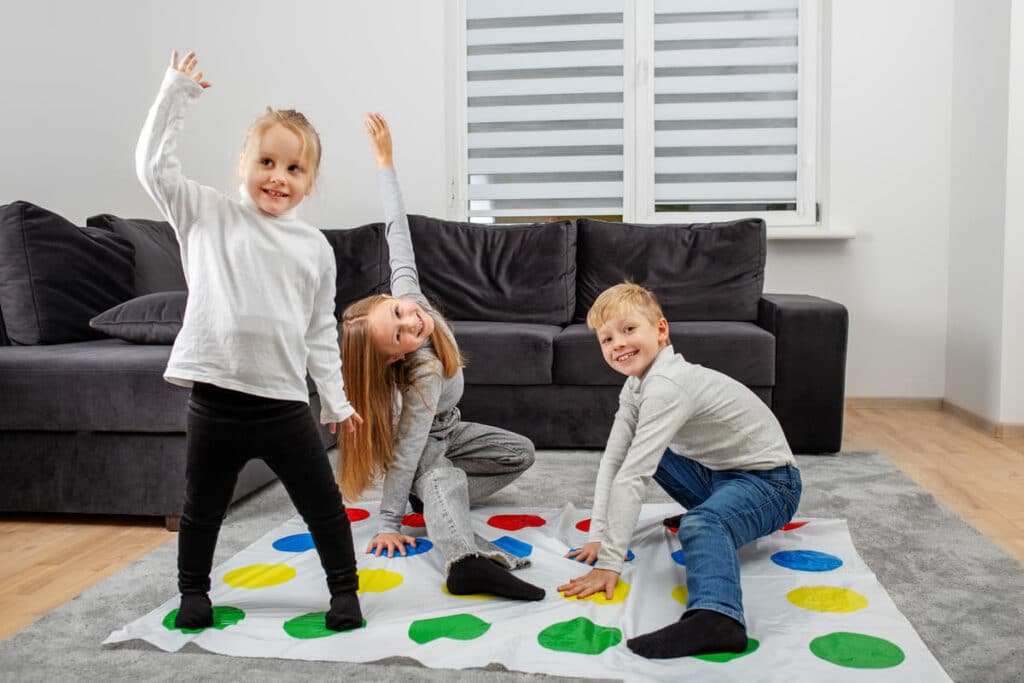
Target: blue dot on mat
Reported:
point(299, 543)
point(513, 546)
point(629, 555)
point(678, 557)
point(807, 560)
point(422, 545)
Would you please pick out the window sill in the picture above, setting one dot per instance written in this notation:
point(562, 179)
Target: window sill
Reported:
point(810, 232)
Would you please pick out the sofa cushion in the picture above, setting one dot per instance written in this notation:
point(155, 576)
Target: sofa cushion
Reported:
point(157, 253)
point(102, 385)
point(55, 276)
point(361, 256)
point(149, 319)
point(702, 271)
point(741, 350)
point(498, 273)
point(506, 353)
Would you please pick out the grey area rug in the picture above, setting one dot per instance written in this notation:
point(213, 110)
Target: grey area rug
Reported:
point(963, 594)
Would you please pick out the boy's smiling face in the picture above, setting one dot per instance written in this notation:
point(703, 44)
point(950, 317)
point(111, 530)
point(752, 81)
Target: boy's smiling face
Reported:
point(630, 343)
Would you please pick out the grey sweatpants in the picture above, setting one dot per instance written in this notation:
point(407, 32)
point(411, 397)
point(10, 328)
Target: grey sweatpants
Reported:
point(463, 463)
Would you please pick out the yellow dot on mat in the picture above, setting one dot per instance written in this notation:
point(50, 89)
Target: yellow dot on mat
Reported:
point(259, 575)
point(471, 596)
point(378, 580)
point(618, 595)
point(827, 599)
point(679, 594)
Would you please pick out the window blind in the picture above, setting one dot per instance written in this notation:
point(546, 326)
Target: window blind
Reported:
point(726, 105)
point(544, 108)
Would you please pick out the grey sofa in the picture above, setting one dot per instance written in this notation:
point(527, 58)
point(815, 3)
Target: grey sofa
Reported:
point(87, 424)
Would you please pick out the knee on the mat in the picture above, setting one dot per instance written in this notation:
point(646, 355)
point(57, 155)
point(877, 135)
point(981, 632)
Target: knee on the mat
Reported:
point(522, 455)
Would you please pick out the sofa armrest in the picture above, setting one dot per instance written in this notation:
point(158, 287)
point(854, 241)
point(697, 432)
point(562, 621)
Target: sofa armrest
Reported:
point(810, 368)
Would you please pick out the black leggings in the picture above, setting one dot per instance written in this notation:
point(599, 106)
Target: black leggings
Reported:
point(225, 430)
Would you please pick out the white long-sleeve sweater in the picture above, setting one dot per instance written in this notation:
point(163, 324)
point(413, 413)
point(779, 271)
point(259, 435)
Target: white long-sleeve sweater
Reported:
point(261, 288)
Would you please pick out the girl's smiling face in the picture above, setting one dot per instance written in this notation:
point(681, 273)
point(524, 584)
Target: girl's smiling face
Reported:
point(275, 170)
point(399, 327)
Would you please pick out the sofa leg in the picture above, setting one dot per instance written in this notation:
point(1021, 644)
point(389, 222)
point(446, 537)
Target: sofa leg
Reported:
point(172, 523)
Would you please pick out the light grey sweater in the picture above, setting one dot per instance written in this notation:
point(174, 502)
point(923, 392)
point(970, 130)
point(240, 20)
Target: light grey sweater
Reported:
point(702, 414)
point(433, 394)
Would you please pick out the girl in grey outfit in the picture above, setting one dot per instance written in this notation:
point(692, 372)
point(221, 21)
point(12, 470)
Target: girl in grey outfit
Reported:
point(404, 370)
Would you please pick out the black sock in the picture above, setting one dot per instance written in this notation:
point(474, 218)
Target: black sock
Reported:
point(345, 613)
point(475, 574)
point(698, 632)
point(416, 504)
point(672, 522)
point(195, 611)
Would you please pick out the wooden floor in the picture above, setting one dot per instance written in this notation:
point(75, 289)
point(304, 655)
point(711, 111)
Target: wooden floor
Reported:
point(47, 561)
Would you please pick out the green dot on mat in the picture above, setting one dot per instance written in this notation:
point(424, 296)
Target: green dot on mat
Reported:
point(311, 625)
point(579, 635)
point(857, 651)
point(752, 645)
point(223, 616)
point(456, 626)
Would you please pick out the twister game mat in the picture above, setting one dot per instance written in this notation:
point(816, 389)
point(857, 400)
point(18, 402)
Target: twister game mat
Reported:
point(814, 609)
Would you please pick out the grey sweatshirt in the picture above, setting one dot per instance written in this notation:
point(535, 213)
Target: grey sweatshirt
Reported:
point(702, 414)
point(436, 395)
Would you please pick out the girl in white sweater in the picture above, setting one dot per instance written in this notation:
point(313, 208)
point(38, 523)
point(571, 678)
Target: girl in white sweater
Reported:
point(260, 314)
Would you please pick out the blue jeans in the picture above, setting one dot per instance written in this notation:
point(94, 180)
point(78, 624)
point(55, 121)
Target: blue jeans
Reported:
point(724, 510)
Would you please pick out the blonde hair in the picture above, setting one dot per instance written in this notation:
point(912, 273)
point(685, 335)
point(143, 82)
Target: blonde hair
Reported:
point(297, 123)
point(621, 300)
point(371, 384)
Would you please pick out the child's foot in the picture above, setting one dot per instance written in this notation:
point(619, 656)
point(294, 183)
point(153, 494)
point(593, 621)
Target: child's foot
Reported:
point(698, 632)
point(195, 611)
point(475, 574)
point(345, 613)
point(672, 522)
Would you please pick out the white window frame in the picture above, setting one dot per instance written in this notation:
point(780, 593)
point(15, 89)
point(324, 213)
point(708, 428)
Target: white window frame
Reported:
point(638, 125)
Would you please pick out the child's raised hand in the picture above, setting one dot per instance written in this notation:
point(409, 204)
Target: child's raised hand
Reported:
point(390, 543)
point(186, 65)
point(380, 139)
point(594, 581)
point(587, 554)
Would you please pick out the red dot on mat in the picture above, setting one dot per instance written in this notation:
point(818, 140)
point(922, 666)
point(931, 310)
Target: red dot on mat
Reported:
point(673, 529)
point(584, 525)
point(793, 525)
point(356, 514)
point(414, 519)
point(515, 522)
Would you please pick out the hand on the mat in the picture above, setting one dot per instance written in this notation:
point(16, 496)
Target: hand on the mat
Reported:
point(185, 66)
point(593, 582)
point(351, 423)
point(390, 543)
point(380, 139)
point(587, 554)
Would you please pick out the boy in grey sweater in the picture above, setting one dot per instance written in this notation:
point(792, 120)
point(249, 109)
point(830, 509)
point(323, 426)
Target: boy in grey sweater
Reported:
point(712, 445)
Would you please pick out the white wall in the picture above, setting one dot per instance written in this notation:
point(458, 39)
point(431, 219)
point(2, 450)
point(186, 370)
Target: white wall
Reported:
point(977, 205)
point(1012, 395)
point(78, 77)
point(889, 177)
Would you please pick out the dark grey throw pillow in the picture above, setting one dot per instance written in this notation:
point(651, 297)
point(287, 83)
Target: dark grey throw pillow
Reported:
point(148, 319)
point(55, 276)
point(157, 254)
point(361, 257)
point(700, 271)
point(498, 273)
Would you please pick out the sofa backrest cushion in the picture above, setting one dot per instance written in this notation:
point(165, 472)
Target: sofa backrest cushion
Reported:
point(514, 273)
point(55, 276)
point(361, 256)
point(701, 271)
point(157, 253)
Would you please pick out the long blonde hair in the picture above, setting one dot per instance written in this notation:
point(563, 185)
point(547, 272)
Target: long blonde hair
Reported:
point(371, 384)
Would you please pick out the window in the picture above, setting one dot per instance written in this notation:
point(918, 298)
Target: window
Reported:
point(649, 110)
